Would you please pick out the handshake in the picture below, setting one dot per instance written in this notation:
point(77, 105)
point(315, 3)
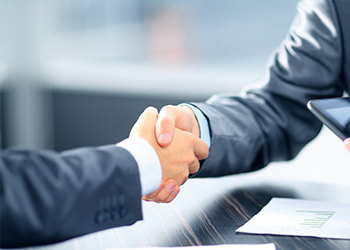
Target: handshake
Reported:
point(174, 135)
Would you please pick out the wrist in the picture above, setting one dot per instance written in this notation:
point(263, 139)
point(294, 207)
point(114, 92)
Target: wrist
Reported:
point(149, 165)
point(200, 123)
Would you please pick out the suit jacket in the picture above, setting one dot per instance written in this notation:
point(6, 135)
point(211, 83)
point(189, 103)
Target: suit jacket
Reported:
point(48, 197)
point(269, 120)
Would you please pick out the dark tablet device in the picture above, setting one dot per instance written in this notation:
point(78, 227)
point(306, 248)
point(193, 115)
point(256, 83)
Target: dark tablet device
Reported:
point(334, 113)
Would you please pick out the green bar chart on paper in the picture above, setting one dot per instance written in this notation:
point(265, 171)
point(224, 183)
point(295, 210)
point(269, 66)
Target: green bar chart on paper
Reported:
point(315, 219)
point(306, 219)
point(284, 216)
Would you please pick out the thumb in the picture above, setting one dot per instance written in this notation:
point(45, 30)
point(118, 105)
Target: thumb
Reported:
point(145, 124)
point(168, 117)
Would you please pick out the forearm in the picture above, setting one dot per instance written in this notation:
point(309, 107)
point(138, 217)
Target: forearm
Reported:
point(48, 197)
point(270, 121)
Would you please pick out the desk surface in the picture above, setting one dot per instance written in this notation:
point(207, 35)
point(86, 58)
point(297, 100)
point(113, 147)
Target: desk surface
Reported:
point(207, 212)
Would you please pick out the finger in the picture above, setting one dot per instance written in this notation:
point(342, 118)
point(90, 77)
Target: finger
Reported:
point(166, 193)
point(194, 167)
point(145, 123)
point(347, 144)
point(201, 149)
point(151, 196)
point(173, 195)
point(168, 117)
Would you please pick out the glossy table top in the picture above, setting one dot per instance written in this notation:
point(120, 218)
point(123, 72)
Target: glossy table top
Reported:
point(208, 211)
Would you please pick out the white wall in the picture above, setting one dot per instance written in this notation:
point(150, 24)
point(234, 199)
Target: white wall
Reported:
point(325, 159)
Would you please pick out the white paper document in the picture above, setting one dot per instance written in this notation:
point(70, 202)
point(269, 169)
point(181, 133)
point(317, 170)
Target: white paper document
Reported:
point(301, 218)
point(266, 246)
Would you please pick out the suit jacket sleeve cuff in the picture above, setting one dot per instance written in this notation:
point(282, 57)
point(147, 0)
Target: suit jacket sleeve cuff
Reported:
point(148, 163)
point(203, 124)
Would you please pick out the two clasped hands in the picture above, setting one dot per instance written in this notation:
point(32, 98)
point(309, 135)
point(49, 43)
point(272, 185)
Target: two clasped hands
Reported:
point(174, 135)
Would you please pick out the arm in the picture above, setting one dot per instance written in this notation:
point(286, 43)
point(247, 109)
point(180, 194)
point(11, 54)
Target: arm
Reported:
point(270, 121)
point(48, 197)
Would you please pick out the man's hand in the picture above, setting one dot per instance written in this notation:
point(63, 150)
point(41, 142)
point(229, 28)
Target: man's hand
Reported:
point(347, 143)
point(181, 157)
point(171, 117)
point(166, 192)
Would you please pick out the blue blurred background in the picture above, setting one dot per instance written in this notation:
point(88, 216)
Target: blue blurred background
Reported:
point(78, 73)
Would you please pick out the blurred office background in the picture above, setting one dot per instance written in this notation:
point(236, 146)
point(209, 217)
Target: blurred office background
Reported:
point(79, 73)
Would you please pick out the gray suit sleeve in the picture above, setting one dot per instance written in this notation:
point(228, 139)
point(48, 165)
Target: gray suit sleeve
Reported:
point(269, 120)
point(48, 197)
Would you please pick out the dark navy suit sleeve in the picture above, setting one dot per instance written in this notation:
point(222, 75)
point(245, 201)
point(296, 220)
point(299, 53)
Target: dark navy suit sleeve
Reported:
point(48, 197)
point(269, 121)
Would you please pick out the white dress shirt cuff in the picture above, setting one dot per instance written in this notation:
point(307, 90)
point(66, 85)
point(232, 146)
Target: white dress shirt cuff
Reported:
point(203, 124)
point(148, 163)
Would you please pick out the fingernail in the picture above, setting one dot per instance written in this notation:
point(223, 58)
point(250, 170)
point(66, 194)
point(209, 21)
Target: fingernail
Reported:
point(175, 191)
point(164, 138)
point(170, 187)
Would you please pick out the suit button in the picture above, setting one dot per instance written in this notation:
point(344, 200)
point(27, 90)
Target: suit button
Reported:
point(107, 215)
point(115, 214)
point(100, 217)
point(103, 216)
point(122, 211)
